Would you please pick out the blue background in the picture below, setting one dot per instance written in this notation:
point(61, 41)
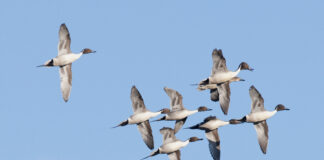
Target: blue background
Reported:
point(152, 44)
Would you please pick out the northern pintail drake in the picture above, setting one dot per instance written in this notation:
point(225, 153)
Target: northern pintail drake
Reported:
point(171, 145)
point(178, 112)
point(258, 117)
point(210, 125)
point(220, 79)
point(64, 60)
point(141, 117)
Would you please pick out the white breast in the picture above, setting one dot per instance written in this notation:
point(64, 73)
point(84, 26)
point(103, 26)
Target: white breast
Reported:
point(66, 59)
point(141, 117)
point(214, 124)
point(173, 146)
point(223, 77)
point(260, 116)
point(177, 115)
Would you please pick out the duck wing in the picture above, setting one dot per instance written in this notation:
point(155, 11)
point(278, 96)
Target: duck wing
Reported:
point(257, 100)
point(219, 62)
point(174, 155)
point(262, 132)
point(65, 41)
point(137, 101)
point(214, 95)
point(146, 132)
point(168, 135)
point(214, 143)
point(66, 81)
point(176, 99)
point(224, 96)
point(179, 124)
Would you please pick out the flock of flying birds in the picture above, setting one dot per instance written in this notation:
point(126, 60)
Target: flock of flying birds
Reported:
point(218, 83)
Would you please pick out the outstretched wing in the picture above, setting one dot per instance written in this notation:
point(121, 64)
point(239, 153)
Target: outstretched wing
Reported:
point(214, 143)
point(219, 62)
point(146, 132)
point(176, 99)
point(175, 155)
point(179, 124)
point(66, 81)
point(168, 135)
point(224, 96)
point(257, 100)
point(214, 95)
point(262, 132)
point(65, 41)
point(137, 101)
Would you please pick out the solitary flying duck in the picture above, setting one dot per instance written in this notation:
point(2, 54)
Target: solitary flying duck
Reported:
point(64, 60)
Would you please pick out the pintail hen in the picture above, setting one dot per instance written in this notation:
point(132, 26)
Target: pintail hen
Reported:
point(178, 112)
point(171, 145)
point(141, 117)
point(210, 125)
point(258, 117)
point(220, 78)
point(64, 60)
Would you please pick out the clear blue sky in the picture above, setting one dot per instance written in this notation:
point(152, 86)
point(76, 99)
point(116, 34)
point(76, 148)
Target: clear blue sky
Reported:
point(152, 44)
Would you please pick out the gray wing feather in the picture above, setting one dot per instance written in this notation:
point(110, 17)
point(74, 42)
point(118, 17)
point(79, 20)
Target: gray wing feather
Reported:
point(168, 135)
point(214, 143)
point(175, 99)
point(214, 95)
point(137, 101)
point(146, 132)
point(179, 124)
point(219, 62)
point(257, 100)
point(65, 40)
point(66, 81)
point(224, 96)
point(175, 155)
point(262, 132)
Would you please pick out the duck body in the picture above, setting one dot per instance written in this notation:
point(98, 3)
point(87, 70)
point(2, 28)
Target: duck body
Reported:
point(179, 114)
point(213, 124)
point(222, 77)
point(173, 146)
point(65, 59)
point(142, 116)
point(259, 116)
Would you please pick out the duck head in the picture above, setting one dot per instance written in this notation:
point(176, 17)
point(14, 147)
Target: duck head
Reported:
point(245, 66)
point(87, 51)
point(194, 139)
point(281, 107)
point(165, 110)
point(203, 109)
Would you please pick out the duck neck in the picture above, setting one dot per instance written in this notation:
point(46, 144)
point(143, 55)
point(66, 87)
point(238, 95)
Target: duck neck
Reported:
point(237, 71)
point(192, 112)
point(154, 114)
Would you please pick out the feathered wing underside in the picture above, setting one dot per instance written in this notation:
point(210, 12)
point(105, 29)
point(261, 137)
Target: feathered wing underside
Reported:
point(175, 99)
point(66, 81)
point(219, 62)
point(257, 100)
point(168, 135)
point(137, 101)
point(262, 132)
point(224, 96)
point(174, 155)
point(146, 132)
point(64, 41)
point(214, 143)
point(179, 124)
point(214, 95)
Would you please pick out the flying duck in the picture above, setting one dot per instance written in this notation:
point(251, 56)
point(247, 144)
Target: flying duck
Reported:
point(141, 117)
point(171, 145)
point(258, 117)
point(178, 112)
point(64, 60)
point(210, 125)
point(220, 79)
